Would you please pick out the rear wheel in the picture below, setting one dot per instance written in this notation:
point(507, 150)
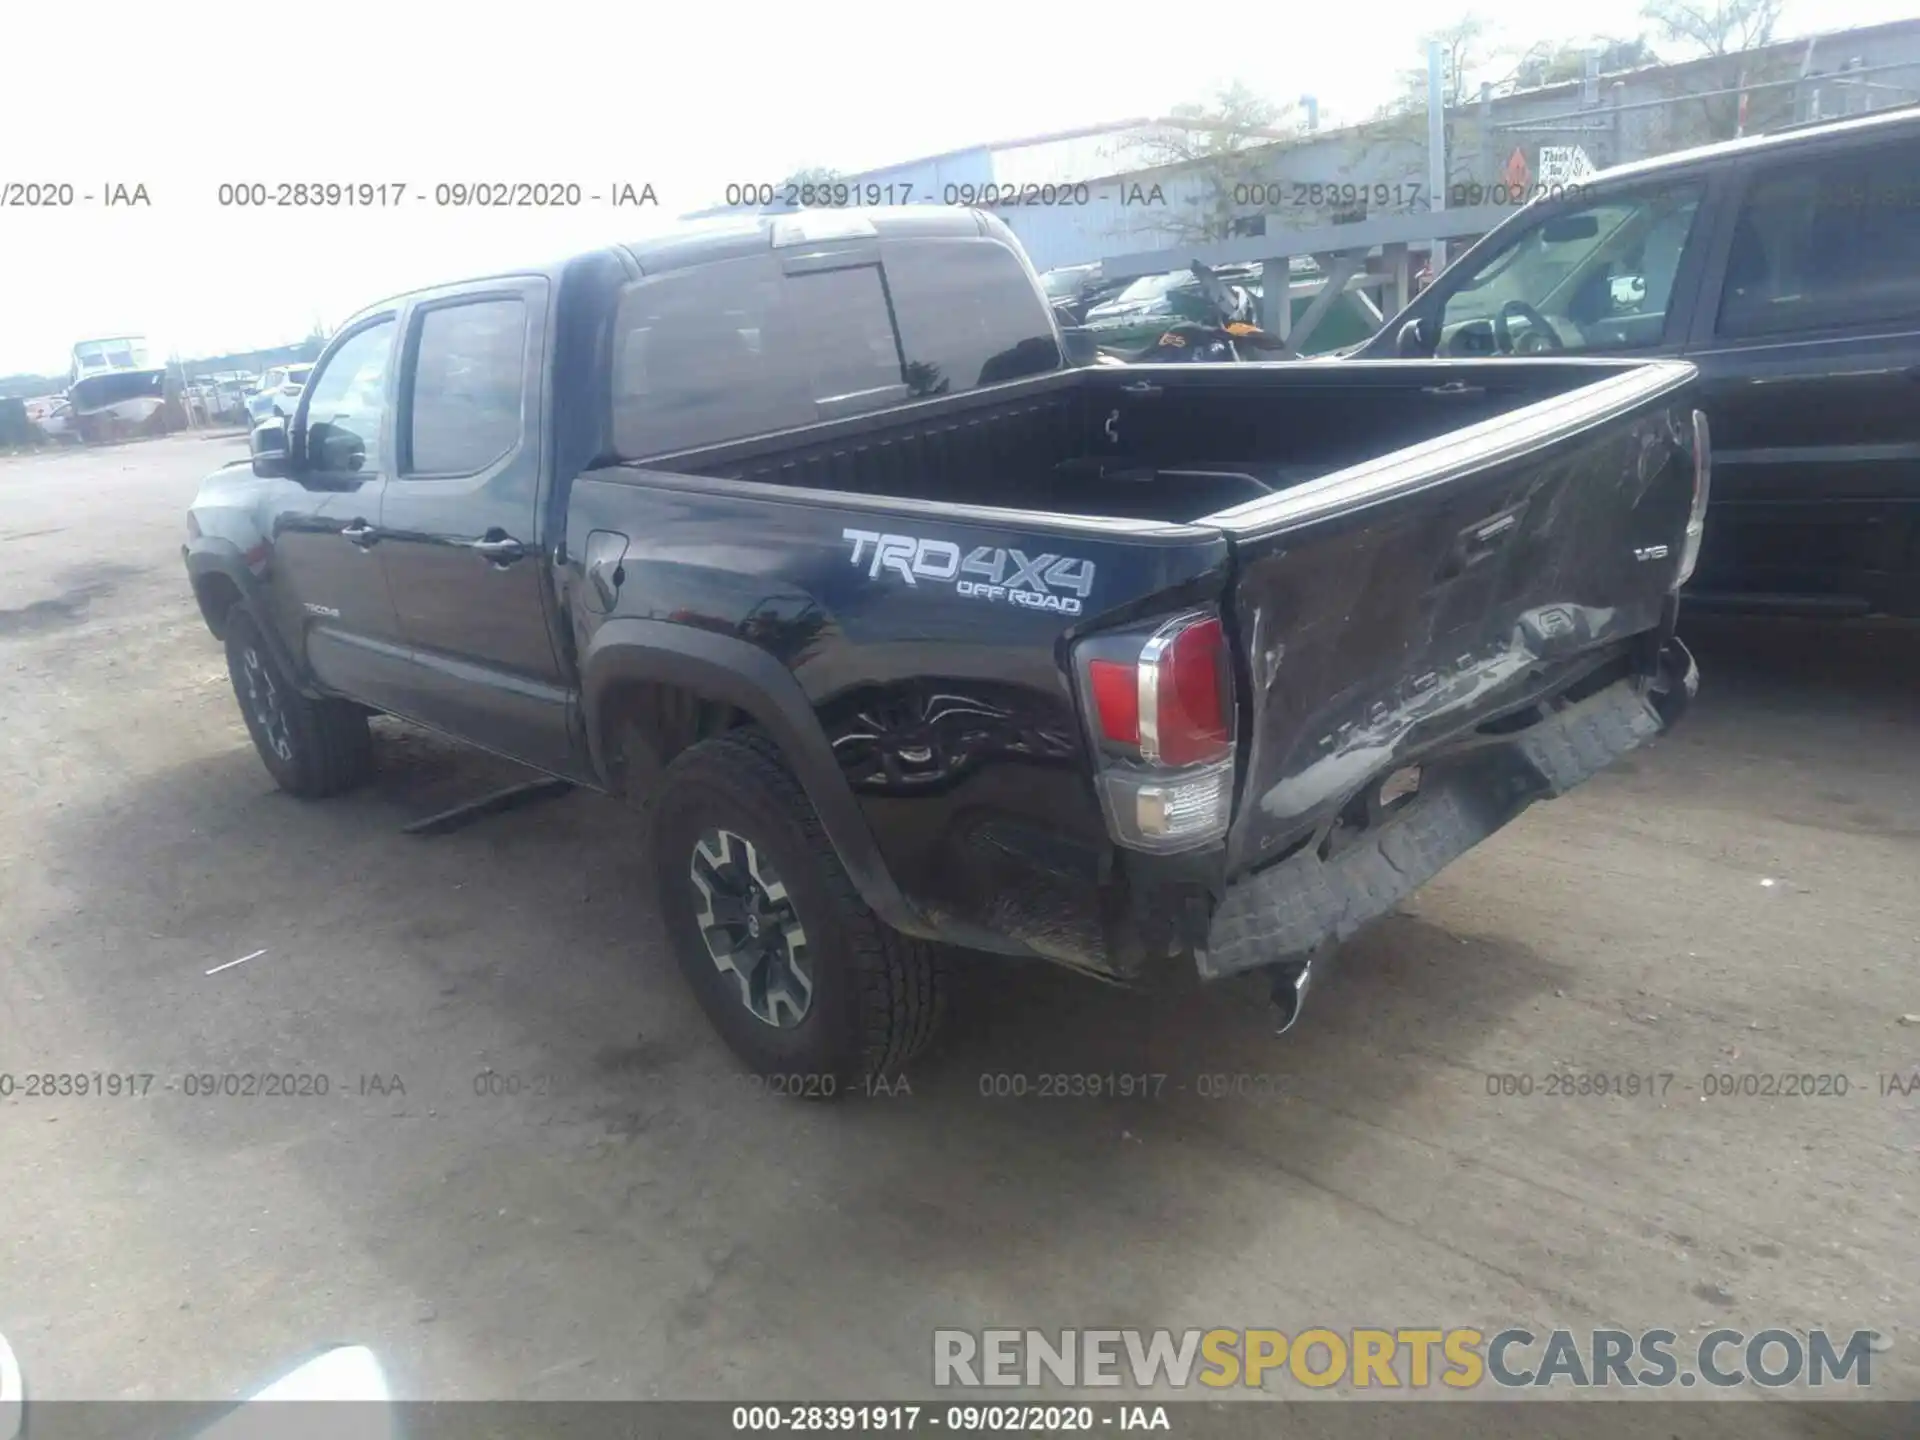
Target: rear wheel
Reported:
point(801, 979)
point(312, 748)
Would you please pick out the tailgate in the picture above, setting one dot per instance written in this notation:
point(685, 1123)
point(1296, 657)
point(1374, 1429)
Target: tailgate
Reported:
point(1390, 607)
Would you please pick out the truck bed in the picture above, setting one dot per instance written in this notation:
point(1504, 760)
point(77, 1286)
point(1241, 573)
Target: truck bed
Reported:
point(1400, 554)
point(1173, 443)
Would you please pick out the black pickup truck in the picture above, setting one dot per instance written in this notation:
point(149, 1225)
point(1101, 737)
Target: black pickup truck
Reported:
point(910, 638)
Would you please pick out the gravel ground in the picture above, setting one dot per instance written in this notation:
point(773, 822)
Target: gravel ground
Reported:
point(637, 1221)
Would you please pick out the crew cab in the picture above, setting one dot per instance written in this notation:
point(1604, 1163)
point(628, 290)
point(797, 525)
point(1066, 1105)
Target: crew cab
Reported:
point(911, 640)
point(1784, 268)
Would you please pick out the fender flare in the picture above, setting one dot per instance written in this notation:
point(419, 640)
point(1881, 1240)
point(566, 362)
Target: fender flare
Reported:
point(209, 555)
point(723, 667)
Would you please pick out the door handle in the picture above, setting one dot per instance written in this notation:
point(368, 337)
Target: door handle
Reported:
point(501, 549)
point(361, 533)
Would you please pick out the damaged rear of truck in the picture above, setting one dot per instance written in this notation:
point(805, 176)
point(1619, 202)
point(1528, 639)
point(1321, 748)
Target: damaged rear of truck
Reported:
point(1115, 733)
point(913, 640)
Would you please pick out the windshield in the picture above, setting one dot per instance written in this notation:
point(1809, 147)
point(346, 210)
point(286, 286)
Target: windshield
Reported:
point(1063, 284)
point(117, 354)
point(1151, 287)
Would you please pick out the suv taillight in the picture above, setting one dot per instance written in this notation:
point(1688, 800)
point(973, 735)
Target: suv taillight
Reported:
point(1697, 512)
point(1160, 710)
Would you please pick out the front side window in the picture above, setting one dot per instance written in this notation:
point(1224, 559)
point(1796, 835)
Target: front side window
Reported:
point(1826, 243)
point(469, 371)
point(1592, 278)
point(346, 403)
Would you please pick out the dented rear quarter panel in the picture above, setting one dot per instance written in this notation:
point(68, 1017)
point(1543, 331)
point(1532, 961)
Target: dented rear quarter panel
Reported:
point(950, 715)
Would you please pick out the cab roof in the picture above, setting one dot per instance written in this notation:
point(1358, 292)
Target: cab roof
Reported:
point(699, 242)
point(1893, 121)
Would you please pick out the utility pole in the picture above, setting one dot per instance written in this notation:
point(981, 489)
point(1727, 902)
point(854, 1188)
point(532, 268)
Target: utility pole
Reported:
point(1437, 144)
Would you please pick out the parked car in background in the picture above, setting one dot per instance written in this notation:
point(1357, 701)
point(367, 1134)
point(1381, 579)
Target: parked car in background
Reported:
point(279, 393)
point(1072, 289)
point(52, 415)
point(1133, 318)
point(1786, 267)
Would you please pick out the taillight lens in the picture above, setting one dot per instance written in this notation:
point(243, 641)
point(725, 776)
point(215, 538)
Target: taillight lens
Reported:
point(1160, 705)
point(1186, 679)
point(1697, 512)
point(1116, 699)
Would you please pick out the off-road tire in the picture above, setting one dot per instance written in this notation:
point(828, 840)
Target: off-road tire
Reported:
point(877, 995)
point(329, 747)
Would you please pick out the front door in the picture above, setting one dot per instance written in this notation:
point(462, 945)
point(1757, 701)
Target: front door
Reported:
point(1809, 359)
point(461, 533)
point(328, 584)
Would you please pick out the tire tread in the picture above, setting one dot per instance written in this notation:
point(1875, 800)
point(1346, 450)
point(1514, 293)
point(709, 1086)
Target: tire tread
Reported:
point(900, 980)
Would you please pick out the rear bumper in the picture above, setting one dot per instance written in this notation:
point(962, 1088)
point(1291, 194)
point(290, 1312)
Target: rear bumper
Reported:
point(1305, 902)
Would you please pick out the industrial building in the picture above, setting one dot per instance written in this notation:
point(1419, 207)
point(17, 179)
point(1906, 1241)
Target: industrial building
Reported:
point(1105, 204)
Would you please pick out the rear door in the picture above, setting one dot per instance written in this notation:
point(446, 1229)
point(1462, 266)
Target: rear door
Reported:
point(460, 536)
point(1809, 355)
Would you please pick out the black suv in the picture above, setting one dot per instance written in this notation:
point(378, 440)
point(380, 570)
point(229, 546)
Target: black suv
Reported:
point(1786, 267)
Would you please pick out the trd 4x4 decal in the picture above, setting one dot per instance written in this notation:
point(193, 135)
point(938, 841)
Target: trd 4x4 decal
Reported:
point(1043, 582)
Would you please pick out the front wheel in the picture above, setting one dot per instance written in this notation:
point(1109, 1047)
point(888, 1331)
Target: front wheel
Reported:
point(801, 979)
point(312, 748)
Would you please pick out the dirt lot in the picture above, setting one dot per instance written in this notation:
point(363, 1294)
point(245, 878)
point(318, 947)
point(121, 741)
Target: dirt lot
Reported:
point(1744, 898)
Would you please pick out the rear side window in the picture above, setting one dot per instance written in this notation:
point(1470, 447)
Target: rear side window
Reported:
point(733, 349)
point(469, 373)
point(968, 315)
point(1825, 243)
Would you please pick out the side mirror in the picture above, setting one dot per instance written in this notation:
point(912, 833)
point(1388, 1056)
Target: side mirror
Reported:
point(268, 443)
point(1416, 339)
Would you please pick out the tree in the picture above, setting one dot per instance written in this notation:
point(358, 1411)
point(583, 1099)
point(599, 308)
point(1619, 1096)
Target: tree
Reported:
point(1556, 64)
point(1725, 28)
point(1723, 32)
point(810, 175)
point(1213, 149)
point(1469, 58)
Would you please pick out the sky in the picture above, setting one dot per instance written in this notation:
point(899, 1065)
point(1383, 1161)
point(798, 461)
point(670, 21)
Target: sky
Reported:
point(685, 98)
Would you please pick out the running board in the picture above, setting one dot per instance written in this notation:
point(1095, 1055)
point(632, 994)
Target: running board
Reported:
point(514, 797)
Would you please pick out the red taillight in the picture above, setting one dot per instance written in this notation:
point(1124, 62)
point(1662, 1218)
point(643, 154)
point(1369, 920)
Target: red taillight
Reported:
point(1171, 704)
point(1116, 699)
point(1190, 721)
point(1160, 704)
